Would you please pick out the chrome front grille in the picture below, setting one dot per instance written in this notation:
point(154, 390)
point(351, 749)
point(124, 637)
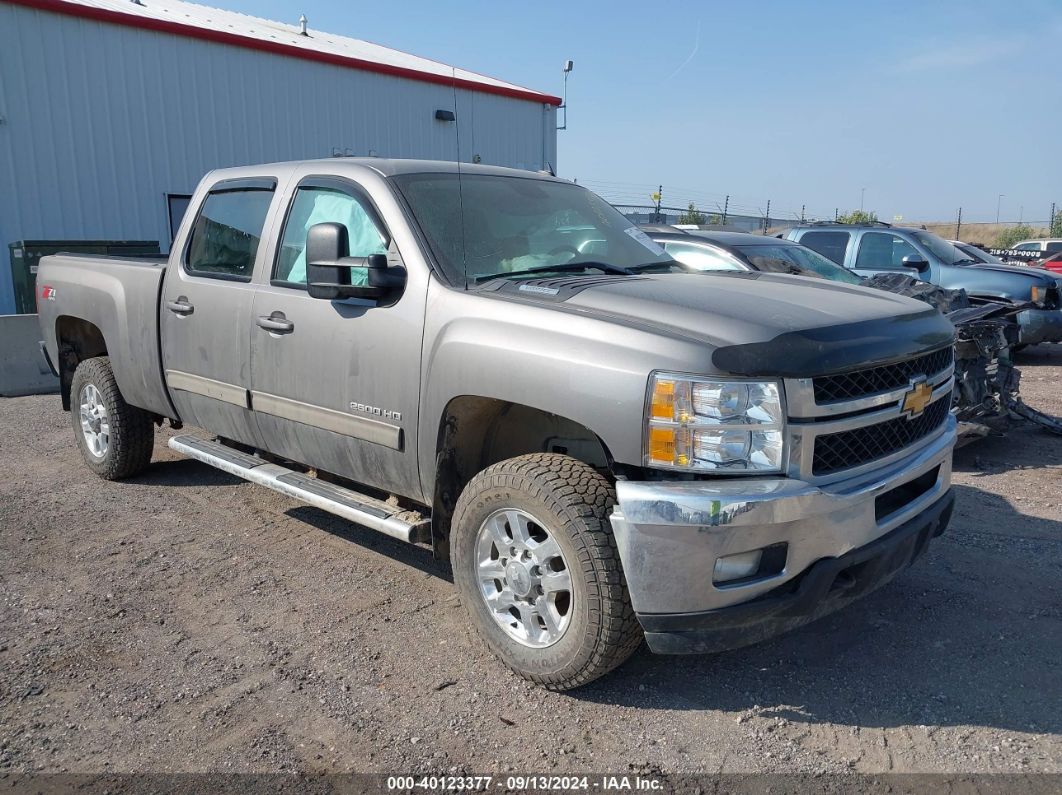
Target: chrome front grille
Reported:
point(869, 381)
point(844, 425)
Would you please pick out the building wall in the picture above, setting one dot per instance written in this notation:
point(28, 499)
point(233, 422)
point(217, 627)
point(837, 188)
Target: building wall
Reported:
point(99, 122)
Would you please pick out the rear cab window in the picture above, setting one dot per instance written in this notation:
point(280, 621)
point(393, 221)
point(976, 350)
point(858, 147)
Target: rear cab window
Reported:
point(224, 240)
point(832, 245)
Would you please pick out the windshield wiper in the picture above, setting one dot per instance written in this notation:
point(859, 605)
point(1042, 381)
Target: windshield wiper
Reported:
point(564, 267)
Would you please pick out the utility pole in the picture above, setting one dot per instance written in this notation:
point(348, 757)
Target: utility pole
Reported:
point(659, 198)
point(726, 207)
point(767, 217)
point(1051, 223)
point(862, 193)
point(999, 199)
point(958, 225)
point(802, 212)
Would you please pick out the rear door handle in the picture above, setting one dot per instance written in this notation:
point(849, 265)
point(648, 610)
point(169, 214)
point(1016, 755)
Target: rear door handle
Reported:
point(180, 306)
point(276, 322)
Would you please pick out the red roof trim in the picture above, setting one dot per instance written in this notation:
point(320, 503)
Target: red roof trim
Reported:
point(276, 48)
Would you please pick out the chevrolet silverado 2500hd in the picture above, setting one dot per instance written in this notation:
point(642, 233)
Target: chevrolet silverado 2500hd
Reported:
point(499, 364)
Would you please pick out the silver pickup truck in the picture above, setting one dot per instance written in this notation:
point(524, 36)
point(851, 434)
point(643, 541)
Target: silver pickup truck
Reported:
point(605, 446)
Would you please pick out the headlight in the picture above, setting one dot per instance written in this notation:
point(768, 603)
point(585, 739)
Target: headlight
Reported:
point(704, 425)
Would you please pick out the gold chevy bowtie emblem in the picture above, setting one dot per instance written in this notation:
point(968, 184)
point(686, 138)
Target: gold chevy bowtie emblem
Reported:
point(916, 400)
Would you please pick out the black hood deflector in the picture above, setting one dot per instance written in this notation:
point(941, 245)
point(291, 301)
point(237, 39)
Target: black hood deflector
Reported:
point(833, 349)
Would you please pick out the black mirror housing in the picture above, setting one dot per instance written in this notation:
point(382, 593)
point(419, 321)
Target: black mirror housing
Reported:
point(916, 261)
point(328, 267)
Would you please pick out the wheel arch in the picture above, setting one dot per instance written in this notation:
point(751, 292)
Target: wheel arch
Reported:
point(475, 432)
point(76, 340)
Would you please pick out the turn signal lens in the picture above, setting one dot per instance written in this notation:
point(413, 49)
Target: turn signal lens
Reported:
point(663, 407)
point(662, 444)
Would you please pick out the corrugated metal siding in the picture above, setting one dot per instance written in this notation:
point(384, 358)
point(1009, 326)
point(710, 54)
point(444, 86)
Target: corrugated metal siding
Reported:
point(100, 122)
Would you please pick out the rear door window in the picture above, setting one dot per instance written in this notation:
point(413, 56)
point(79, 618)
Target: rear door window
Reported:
point(883, 250)
point(224, 241)
point(832, 245)
point(702, 258)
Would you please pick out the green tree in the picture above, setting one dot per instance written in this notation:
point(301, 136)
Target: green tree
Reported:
point(1056, 225)
point(858, 217)
point(692, 216)
point(1012, 234)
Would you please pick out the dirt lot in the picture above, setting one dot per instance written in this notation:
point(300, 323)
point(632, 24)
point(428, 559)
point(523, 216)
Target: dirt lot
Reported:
point(187, 621)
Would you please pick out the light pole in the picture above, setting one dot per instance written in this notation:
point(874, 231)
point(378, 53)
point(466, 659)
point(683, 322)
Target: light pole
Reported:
point(998, 200)
point(862, 193)
point(568, 65)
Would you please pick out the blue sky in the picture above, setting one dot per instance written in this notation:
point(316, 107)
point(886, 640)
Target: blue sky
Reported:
point(929, 106)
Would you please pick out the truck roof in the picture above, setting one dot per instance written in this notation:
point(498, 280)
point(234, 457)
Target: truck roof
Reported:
point(387, 167)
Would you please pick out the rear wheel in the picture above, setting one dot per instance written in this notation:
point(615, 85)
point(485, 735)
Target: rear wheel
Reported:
point(115, 438)
point(537, 569)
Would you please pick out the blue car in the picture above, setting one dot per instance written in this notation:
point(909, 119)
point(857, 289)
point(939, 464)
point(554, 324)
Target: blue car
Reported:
point(880, 248)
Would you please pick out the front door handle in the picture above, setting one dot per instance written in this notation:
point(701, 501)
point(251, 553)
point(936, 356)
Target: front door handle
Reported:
point(276, 323)
point(180, 306)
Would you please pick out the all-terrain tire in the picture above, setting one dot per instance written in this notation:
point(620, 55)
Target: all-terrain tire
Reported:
point(574, 500)
point(131, 430)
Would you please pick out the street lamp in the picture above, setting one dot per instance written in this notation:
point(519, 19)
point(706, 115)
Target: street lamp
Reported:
point(998, 200)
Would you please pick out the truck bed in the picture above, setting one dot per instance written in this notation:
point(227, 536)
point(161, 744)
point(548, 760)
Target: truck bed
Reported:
point(119, 298)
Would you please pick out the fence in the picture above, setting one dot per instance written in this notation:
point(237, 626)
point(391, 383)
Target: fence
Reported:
point(650, 214)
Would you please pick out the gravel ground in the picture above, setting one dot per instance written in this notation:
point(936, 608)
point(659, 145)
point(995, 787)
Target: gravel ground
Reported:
point(188, 621)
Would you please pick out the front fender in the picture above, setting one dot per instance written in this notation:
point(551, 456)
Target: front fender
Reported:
point(551, 358)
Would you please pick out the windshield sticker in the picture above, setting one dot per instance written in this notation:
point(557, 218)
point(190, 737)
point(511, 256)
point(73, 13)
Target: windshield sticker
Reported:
point(643, 238)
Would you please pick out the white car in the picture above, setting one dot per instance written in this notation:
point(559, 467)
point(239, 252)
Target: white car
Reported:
point(1045, 245)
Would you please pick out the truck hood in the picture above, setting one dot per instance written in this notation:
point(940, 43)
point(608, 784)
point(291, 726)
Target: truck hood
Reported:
point(1008, 281)
point(764, 323)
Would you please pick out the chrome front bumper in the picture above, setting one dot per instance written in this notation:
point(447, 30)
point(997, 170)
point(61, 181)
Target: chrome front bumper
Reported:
point(670, 534)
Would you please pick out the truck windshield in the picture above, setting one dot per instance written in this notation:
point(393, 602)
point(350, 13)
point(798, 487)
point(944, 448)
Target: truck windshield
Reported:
point(942, 249)
point(486, 226)
point(796, 259)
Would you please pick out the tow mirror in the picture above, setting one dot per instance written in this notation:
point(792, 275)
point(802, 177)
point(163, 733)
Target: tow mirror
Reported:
point(332, 275)
point(916, 261)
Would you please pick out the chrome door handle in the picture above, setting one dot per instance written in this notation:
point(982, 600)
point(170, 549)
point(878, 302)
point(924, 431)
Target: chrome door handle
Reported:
point(180, 306)
point(276, 322)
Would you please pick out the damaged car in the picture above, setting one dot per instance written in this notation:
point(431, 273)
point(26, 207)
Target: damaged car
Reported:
point(987, 330)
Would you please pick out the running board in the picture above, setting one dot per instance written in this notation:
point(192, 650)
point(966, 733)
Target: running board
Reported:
point(359, 508)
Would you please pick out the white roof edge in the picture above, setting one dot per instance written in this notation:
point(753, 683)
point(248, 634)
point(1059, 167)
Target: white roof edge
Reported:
point(218, 20)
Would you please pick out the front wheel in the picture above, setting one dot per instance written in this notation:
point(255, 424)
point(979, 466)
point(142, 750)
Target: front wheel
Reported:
point(536, 566)
point(115, 438)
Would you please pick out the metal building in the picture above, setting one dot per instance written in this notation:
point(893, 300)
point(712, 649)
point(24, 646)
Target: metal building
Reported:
point(111, 111)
